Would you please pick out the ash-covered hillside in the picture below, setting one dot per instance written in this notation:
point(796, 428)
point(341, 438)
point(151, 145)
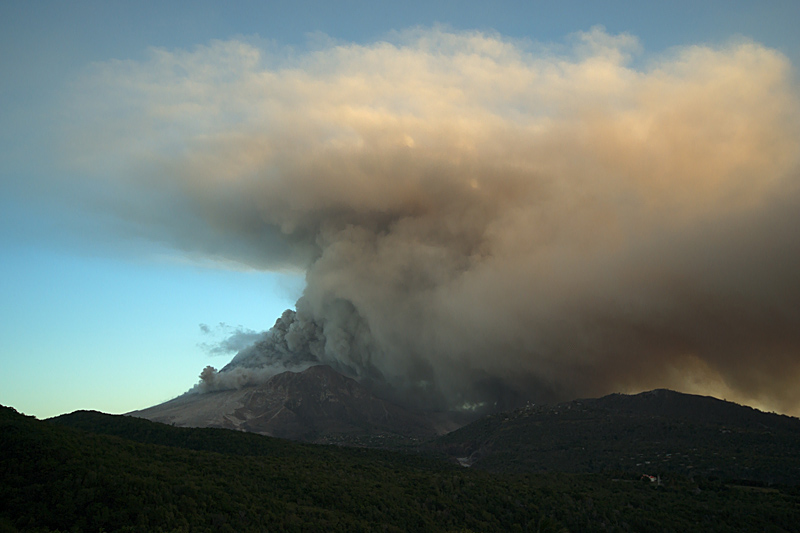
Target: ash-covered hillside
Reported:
point(315, 405)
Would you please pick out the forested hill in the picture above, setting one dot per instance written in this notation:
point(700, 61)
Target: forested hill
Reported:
point(151, 477)
point(695, 409)
point(660, 432)
point(207, 439)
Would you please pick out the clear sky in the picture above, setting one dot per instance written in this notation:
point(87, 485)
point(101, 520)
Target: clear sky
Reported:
point(97, 317)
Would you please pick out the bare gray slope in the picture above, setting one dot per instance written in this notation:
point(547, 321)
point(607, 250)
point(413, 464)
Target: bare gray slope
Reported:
point(317, 404)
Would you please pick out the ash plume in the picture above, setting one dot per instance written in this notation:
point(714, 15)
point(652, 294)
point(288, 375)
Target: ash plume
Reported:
point(481, 221)
point(235, 339)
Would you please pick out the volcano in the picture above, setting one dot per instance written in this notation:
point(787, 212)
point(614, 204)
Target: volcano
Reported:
point(316, 405)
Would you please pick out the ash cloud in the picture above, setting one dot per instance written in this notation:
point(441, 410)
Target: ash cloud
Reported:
point(234, 338)
point(481, 221)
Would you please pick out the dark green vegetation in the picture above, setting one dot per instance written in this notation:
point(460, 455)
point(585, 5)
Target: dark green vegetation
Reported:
point(115, 473)
point(659, 432)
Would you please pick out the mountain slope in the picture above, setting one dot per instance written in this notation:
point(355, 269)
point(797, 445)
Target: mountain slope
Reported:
point(316, 405)
point(657, 432)
point(694, 408)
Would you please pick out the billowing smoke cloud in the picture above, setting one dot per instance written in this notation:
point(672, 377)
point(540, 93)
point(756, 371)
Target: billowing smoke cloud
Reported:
point(234, 338)
point(480, 220)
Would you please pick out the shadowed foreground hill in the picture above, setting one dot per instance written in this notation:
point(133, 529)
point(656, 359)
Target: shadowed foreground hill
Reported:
point(657, 432)
point(152, 477)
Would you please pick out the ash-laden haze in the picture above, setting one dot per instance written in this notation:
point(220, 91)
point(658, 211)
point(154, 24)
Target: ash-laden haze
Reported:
point(481, 221)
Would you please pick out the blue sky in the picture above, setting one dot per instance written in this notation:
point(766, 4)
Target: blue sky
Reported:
point(94, 318)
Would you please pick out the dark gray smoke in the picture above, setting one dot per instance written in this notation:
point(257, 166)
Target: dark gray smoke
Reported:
point(481, 221)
